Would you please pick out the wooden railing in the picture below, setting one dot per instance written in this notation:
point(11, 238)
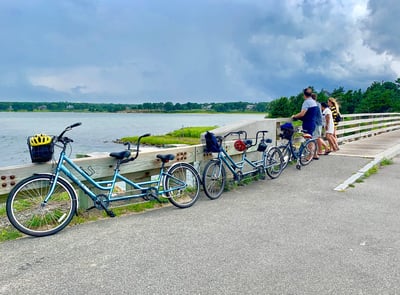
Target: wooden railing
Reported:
point(353, 127)
point(357, 126)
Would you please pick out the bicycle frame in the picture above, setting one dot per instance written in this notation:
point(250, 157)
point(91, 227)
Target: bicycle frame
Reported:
point(289, 146)
point(236, 167)
point(108, 186)
point(297, 154)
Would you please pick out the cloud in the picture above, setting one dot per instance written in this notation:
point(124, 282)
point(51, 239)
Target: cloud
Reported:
point(382, 26)
point(208, 50)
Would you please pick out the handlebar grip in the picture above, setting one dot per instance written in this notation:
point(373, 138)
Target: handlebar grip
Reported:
point(145, 135)
point(75, 125)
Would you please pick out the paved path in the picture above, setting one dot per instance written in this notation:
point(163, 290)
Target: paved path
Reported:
point(291, 235)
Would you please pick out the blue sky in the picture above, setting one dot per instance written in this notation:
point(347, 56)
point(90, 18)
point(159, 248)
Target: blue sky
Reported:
point(135, 51)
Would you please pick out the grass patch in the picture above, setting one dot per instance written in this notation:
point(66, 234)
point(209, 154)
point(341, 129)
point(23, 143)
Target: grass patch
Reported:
point(371, 171)
point(186, 135)
point(386, 162)
point(3, 211)
point(7, 234)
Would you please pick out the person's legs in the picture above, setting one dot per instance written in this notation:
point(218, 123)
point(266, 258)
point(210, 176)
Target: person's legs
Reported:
point(322, 146)
point(330, 138)
point(320, 142)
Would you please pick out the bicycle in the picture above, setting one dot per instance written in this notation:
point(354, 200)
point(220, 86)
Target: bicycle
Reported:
point(43, 204)
point(214, 174)
point(306, 152)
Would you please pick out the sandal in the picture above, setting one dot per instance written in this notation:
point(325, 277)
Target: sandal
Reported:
point(327, 152)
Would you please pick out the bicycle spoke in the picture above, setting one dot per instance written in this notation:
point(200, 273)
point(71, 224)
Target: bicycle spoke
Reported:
point(182, 184)
point(27, 211)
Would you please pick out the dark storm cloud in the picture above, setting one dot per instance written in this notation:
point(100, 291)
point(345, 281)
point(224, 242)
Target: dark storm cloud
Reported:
point(178, 50)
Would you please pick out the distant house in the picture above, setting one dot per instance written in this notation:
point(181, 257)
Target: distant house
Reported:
point(207, 107)
point(42, 108)
point(70, 107)
point(250, 107)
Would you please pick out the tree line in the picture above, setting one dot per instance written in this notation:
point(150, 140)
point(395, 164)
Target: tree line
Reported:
point(380, 97)
point(144, 107)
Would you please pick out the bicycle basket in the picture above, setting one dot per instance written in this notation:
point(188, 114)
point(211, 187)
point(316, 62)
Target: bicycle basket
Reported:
point(287, 131)
point(41, 147)
point(262, 146)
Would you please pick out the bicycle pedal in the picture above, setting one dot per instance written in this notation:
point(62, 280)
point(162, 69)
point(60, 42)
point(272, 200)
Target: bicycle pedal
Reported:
point(110, 213)
point(157, 198)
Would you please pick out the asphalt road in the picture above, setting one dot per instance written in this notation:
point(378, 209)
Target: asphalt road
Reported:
point(291, 235)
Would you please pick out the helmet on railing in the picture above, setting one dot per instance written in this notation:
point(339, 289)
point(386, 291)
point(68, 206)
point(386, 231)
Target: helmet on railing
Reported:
point(40, 139)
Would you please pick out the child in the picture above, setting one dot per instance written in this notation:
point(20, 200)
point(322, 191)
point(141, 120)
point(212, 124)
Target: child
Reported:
point(329, 128)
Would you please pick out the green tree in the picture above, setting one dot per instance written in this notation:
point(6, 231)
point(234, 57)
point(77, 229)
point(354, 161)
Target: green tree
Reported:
point(279, 108)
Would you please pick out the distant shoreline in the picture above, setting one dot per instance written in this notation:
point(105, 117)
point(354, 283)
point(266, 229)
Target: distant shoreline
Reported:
point(137, 112)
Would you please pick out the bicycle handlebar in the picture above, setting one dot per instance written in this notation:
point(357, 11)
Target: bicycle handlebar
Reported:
point(65, 140)
point(137, 148)
point(237, 133)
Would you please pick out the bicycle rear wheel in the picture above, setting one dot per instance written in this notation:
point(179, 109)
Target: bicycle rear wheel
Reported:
point(274, 162)
point(27, 212)
point(182, 184)
point(214, 178)
point(307, 152)
point(286, 154)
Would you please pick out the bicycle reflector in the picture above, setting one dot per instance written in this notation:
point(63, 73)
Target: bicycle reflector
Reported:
point(239, 145)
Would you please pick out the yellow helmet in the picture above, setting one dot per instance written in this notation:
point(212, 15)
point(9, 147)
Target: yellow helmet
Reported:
point(40, 139)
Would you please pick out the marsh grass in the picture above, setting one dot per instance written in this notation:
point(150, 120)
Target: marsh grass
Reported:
point(186, 135)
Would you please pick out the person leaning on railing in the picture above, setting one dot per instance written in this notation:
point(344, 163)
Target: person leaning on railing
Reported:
point(334, 106)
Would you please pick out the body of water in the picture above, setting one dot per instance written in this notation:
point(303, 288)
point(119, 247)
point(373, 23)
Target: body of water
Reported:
point(98, 130)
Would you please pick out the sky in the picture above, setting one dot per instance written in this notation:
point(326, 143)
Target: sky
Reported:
point(136, 51)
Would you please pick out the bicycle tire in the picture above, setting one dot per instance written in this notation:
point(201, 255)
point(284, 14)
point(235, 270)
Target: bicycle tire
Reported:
point(182, 184)
point(26, 212)
point(286, 154)
point(307, 152)
point(274, 162)
point(214, 179)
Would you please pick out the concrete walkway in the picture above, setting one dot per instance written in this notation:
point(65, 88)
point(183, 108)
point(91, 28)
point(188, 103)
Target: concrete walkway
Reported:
point(292, 235)
point(377, 148)
point(372, 147)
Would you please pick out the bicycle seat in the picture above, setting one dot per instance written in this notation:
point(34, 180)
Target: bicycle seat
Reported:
point(120, 155)
point(165, 158)
point(307, 136)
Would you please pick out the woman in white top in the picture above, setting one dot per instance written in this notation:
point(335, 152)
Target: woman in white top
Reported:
point(329, 128)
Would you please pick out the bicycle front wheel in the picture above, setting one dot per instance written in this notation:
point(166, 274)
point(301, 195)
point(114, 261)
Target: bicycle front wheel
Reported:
point(214, 178)
point(308, 152)
point(29, 214)
point(274, 162)
point(182, 185)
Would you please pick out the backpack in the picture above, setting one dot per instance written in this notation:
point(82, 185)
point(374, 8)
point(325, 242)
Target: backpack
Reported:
point(212, 145)
point(338, 118)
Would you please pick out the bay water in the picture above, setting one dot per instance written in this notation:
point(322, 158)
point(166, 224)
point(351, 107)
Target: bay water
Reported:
point(98, 130)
